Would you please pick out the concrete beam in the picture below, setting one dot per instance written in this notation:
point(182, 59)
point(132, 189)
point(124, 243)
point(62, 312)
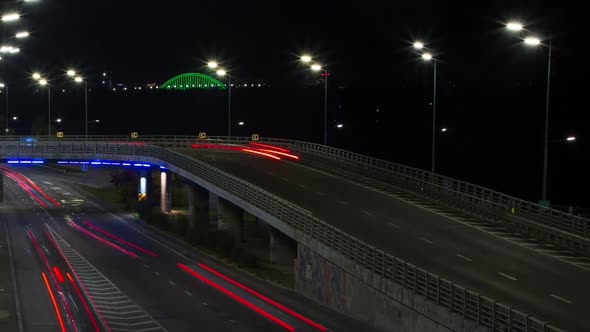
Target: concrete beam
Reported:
point(198, 206)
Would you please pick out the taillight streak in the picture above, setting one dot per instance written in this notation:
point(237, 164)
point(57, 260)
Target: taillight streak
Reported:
point(276, 304)
point(83, 302)
point(119, 239)
point(269, 146)
point(61, 323)
point(236, 297)
point(102, 240)
point(271, 156)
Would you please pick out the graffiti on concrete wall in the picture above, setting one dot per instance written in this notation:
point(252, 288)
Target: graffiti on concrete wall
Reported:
point(317, 277)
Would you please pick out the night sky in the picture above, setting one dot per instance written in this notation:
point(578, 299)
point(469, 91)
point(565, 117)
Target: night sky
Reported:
point(491, 88)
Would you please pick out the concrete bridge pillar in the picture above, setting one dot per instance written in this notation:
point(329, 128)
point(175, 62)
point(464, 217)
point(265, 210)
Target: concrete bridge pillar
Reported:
point(231, 218)
point(165, 192)
point(198, 206)
point(144, 185)
point(283, 249)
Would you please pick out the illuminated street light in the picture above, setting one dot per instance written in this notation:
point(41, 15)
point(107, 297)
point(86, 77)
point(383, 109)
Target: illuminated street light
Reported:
point(212, 64)
point(78, 79)
point(14, 50)
point(427, 56)
point(71, 73)
point(6, 49)
point(340, 125)
point(532, 41)
point(316, 67)
point(571, 139)
point(418, 45)
point(221, 72)
point(10, 17)
point(443, 130)
point(306, 58)
point(36, 76)
point(241, 123)
point(514, 26)
point(42, 82)
point(15, 118)
point(22, 34)
point(58, 120)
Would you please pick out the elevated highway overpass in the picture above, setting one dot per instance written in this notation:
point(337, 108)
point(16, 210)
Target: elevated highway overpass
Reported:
point(440, 239)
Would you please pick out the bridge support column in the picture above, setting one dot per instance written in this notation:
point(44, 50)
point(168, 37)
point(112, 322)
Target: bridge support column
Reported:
point(198, 206)
point(283, 249)
point(231, 218)
point(144, 185)
point(165, 192)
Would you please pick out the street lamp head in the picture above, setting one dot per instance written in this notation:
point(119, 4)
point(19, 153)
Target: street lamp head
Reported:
point(78, 79)
point(42, 82)
point(36, 76)
point(571, 139)
point(10, 17)
point(22, 34)
point(340, 125)
point(15, 118)
point(532, 41)
point(514, 26)
point(418, 45)
point(71, 73)
point(316, 67)
point(306, 58)
point(444, 130)
point(241, 123)
point(58, 120)
point(14, 50)
point(2, 85)
point(427, 56)
point(212, 64)
point(221, 72)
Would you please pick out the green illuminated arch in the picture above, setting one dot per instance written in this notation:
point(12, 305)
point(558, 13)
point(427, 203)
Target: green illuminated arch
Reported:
point(192, 81)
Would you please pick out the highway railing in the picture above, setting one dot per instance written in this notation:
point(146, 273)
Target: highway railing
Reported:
point(459, 300)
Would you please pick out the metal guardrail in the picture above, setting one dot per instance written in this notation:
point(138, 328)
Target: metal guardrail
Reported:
point(469, 304)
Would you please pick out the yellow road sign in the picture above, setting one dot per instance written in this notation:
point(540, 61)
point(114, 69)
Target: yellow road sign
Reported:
point(255, 137)
point(60, 134)
point(202, 135)
point(134, 134)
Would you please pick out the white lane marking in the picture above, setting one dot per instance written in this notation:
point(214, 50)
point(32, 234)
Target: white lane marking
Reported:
point(507, 276)
point(426, 240)
point(157, 273)
point(393, 225)
point(147, 266)
point(464, 258)
point(188, 293)
point(560, 298)
point(367, 213)
point(172, 282)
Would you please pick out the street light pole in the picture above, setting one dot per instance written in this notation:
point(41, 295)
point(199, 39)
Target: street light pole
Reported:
point(48, 110)
point(546, 150)
point(433, 169)
point(326, 107)
point(229, 105)
point(86, 108)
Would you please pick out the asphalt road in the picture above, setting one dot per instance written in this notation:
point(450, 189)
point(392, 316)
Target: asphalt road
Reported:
point(526, 279)
point(176, 299)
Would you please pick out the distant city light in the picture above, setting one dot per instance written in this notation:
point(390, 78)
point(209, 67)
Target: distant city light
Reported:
point(22, 34)
point(10, 17)
point(533, 41)
point(514, 26)
point(418, 45)
point(316, 67)
point(571, 138)
point(306, 58)
point(427, 56)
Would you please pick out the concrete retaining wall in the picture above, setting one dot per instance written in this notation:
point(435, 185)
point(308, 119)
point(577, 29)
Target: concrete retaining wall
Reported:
point(334, 281)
